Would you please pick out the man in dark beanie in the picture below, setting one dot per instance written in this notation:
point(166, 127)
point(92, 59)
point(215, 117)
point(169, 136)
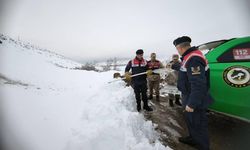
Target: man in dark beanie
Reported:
point(194, 84)
point(139, 83)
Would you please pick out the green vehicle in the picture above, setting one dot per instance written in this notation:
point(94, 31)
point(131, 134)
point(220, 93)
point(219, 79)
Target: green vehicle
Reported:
point(229, 63)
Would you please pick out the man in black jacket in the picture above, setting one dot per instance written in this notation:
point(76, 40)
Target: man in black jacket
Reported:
point(139, 83)
point(194, 84)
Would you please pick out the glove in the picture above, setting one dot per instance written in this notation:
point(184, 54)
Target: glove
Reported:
point(127, 76)
point(149, 72)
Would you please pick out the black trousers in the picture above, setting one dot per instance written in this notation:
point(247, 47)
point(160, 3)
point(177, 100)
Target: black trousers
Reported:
point(140, 90)
point(197, 124)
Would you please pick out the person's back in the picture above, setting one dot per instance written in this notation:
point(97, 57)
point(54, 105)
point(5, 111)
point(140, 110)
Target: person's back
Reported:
point(193, 83)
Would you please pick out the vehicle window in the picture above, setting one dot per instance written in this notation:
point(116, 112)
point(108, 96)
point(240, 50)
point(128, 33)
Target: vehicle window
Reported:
point(238, 53)
point(208, 47)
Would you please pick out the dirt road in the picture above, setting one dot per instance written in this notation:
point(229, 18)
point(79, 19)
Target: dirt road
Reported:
point(225, 133)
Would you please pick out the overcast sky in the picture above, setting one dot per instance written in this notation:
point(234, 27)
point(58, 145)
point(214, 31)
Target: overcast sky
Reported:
point(95, 29)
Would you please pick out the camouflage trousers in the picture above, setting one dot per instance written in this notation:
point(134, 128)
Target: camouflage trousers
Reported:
point(154, 84)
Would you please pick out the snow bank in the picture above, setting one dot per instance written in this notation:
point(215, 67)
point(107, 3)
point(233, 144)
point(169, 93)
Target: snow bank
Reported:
point(50, 107)
point(111, 122)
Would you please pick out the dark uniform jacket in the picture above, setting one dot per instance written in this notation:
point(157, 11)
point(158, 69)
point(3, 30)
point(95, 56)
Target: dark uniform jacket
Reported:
point(193, 79)
point(137, 66)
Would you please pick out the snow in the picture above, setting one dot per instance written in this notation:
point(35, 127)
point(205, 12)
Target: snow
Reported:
point(47, 105)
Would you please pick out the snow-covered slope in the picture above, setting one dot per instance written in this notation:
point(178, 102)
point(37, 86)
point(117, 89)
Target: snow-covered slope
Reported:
point(52, 107)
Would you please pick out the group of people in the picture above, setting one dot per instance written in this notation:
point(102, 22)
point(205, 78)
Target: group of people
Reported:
point(193, 82)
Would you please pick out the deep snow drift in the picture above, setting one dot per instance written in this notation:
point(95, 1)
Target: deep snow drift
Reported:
point(46, 105)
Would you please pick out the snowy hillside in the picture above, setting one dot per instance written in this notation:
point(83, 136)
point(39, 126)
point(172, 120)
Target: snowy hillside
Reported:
point(45, 105)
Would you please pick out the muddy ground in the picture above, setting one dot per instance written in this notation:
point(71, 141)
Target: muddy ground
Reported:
point(225, 133)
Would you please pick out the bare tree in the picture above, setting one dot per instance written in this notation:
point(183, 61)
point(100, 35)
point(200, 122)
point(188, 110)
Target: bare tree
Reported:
point(107, 67)
point(115, 63)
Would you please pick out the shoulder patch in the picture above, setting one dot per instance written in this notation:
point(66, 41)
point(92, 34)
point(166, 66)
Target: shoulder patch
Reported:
point(196, 70)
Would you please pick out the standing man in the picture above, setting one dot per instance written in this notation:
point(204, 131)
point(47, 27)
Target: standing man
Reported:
point(193, 83)
point(139, 83)
point(154, 79)
point(172, 78)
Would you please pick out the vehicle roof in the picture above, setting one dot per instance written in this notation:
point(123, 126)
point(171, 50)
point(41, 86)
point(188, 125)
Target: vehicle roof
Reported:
point(214, 49)
point(213, 44)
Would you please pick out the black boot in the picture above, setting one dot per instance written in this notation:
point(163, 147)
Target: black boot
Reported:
point(147, 108)
point(150, 96)
point(171, 99)
point(177, 100)
point(138, 108)
point(157, 98)
point(187, 140)
point(138, 102)
point(171, 104)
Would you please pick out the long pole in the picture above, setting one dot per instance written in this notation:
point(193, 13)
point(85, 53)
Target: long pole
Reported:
point(138, 74)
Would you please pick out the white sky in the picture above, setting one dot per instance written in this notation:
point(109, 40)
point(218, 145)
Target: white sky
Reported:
point(95, 29)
